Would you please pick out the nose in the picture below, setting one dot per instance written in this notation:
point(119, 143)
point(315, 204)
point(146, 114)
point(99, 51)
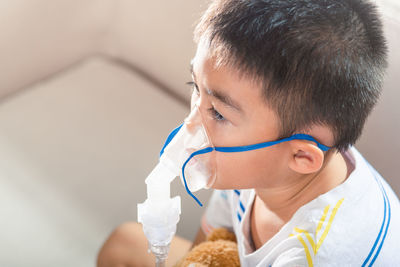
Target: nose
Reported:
point(197, 133)
point(194, 119)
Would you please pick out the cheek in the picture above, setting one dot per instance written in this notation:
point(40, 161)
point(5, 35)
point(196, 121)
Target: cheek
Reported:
point(242, 170)
point(221, 135)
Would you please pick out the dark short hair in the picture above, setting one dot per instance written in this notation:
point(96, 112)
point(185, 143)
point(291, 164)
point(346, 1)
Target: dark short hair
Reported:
point(320, 62)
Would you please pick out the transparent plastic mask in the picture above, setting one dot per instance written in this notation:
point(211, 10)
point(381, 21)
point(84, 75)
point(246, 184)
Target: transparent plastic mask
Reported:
point(192, 154)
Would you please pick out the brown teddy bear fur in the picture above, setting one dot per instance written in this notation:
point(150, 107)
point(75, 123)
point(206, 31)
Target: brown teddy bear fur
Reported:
point(219, 250)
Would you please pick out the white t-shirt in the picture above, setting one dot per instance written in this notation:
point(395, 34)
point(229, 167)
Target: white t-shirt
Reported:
point(355, 224)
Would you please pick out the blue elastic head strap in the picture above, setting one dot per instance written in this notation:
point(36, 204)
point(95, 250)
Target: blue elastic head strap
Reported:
point(170, 137)
point(235, 149)
point(271, 143)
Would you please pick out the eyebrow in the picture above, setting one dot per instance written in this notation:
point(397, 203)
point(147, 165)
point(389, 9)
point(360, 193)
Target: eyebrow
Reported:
point(224, 98)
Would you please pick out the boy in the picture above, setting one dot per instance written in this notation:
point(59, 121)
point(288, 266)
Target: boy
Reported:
point(263, 71)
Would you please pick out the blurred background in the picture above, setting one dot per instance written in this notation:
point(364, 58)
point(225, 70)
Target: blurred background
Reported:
point(89, 90)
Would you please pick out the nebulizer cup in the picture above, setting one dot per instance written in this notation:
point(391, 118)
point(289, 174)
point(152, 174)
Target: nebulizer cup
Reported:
point(188, 153)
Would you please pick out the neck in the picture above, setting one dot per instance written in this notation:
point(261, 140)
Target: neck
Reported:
point(285, 200)
point(274, 207)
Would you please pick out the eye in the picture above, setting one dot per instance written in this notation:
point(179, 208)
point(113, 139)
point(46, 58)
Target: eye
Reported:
point(213, 112)
point(194, 87)
point(216, 115)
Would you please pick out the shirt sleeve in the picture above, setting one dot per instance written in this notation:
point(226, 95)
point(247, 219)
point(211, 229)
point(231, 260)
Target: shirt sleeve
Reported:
point(218, 212)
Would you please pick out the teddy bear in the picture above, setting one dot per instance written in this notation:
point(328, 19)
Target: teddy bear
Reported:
point(219, 249)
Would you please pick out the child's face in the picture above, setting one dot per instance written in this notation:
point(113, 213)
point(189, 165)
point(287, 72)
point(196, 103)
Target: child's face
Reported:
point(235, 114)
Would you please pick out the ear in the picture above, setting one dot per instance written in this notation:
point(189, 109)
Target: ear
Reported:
point(306, 157)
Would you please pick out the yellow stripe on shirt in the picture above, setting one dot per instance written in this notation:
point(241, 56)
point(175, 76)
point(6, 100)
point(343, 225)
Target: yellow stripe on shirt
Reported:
point(310, 238)
point(308, 255)
point(322, 220)
point(327, 228)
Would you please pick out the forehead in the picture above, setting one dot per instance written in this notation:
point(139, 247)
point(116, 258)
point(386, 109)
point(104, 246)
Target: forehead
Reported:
point(218, 57)
point(212, 75)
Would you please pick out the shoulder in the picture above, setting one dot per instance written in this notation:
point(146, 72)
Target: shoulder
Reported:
point(366, 226)
point(356, 223)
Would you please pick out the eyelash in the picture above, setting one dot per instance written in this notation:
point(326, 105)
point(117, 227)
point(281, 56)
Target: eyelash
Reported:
point(214, 113)
point(193, 86)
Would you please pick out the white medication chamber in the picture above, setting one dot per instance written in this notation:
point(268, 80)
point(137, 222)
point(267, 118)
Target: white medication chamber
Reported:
point(159, 214)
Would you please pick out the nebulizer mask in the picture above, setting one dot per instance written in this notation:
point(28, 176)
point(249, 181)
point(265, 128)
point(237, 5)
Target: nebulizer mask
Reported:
point(187, 153)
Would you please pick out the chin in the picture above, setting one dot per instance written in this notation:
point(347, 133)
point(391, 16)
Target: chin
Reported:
point(221, 186)
point(227, 184)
